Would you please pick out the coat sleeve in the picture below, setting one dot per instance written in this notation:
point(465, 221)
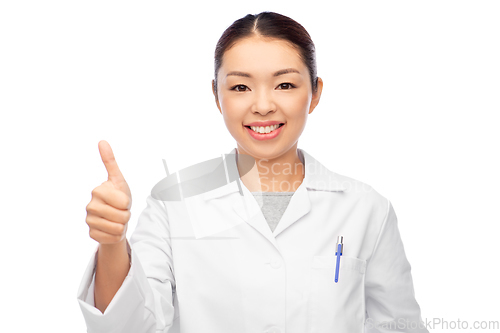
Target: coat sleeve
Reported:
point(144, 303)
point(389, 295)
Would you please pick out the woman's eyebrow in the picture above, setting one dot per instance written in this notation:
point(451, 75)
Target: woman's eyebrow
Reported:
point(278, 73)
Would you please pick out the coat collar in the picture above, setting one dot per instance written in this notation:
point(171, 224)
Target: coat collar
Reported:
point(317, 178)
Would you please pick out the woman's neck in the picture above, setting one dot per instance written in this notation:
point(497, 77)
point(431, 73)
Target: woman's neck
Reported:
point(282, 173)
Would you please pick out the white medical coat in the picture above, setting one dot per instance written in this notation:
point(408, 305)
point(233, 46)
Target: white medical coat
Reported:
point(210, 263)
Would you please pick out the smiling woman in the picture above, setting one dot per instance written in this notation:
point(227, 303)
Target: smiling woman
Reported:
point(263, 83)
point(265, 86)
point(258, 254)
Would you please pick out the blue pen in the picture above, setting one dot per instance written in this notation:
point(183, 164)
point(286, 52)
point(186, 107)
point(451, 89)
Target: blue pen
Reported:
point(340, 249)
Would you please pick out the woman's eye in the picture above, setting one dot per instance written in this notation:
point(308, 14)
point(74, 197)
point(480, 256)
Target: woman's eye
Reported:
point(239, 87)
point(287, 85)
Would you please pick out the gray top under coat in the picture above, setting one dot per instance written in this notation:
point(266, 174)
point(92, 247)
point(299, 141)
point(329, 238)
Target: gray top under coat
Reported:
point(273, 205)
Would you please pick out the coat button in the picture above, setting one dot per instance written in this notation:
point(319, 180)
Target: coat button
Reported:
point(276, 263)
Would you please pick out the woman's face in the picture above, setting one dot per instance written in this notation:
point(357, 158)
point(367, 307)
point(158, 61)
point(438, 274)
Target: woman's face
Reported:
point(264, 80)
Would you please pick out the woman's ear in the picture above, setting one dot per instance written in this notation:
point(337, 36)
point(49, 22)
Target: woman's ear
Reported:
point(316, 95)
point(215, 95)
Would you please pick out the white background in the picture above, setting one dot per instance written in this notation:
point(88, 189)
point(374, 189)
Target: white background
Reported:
point(410, 106)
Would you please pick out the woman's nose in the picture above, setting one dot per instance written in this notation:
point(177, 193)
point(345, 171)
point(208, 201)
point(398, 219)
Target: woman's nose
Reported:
point(263, 102)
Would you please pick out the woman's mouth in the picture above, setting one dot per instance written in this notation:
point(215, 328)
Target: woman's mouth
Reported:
point(264, 132)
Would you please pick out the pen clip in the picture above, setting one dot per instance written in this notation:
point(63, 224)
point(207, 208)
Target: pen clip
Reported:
point(340, 240)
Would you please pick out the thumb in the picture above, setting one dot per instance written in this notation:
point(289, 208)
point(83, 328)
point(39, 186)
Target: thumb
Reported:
point(108, 158)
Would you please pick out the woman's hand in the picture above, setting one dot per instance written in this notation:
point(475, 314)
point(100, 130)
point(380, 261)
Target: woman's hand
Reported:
point(108, 212)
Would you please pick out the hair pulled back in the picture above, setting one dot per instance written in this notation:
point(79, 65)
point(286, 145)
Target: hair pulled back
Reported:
point(271, 25)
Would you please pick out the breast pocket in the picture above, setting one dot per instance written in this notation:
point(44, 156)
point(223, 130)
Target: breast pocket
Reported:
point(336, 307)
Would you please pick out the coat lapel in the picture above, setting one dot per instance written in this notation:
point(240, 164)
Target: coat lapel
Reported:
point(317, 178)
point(248, 209)
point(299, 205)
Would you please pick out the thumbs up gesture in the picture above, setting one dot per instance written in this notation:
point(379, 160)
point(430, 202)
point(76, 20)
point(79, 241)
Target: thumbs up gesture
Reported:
point(108, 212)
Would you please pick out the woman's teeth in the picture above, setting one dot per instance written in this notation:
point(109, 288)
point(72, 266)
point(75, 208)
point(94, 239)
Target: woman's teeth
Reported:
point(266, 129)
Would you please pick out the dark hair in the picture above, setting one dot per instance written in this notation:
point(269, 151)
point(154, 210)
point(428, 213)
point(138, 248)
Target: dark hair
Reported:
point(271, 25)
